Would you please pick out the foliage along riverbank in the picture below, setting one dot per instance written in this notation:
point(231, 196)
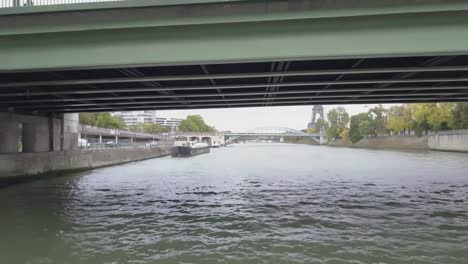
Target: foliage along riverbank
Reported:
point(193, 123)
point(397, 120)
point(403, 126)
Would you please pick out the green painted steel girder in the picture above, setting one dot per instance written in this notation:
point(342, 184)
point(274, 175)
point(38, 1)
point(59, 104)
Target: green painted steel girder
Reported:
point(433, 32)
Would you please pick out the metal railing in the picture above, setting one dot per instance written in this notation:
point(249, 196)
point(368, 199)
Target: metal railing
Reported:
point(116, 145)
point(24, 3)
point(92, 130)
point(165, 143)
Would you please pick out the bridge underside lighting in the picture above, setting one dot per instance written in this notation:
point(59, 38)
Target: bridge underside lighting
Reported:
point(252, 84)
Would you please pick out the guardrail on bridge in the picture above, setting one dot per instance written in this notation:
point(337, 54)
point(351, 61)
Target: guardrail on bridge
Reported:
point(29, 3)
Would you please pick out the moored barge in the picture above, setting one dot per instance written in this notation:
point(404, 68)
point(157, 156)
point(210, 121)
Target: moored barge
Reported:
point(189, 148)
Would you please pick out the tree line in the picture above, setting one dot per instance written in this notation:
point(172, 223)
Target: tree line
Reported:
point(193, 123)
point(104, 119)
point(408, 119)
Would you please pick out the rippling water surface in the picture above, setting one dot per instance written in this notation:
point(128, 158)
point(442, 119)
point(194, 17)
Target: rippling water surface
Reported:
point(271, 203)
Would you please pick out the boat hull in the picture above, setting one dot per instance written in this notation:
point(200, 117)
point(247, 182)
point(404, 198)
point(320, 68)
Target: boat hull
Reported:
point(181, 151)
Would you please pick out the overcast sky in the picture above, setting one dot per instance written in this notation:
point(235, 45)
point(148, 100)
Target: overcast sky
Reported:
point(244, 119)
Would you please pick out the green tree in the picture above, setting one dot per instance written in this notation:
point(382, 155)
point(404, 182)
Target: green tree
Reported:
point(378, 120)
point(88, 118)
point(195, 123)
point(366, 128)
point(138, 127)
point(345, 133)
point(432, 116)
point(419, 114)
point(354, 132)
point(108, 121)
point(442, 117)
point(399, 119)
point(320, 123)
point(188, 126)
point(460, 115)
point(149, 128)
point(338, 119)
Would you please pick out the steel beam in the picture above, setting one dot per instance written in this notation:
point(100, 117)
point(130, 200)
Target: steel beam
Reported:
point(258, 102)
point(427, 100)
point(166, 102)
point(283, 92)
point(238, 86)
point(233, 76)
point(275, 103)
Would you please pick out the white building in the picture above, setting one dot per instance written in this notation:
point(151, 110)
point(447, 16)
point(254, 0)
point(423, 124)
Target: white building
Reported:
point(168, 122)
point(134, 117)
point(173, 122)
point(160, 120)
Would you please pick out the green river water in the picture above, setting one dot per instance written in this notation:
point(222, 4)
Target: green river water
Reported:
point(247, 203)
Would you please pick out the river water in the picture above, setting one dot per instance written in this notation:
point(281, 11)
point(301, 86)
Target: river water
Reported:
point(249, 203)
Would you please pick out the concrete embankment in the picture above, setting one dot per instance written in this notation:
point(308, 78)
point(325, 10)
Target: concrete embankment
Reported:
point(393, 142)
point(27, 164)
point(454, 140)
point(387, 142)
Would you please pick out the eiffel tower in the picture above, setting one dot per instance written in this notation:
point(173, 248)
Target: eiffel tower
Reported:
point(316, 110)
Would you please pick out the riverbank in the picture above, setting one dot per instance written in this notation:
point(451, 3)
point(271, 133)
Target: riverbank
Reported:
point(35, 164)
point(300, 140)
point(388, 142)
point(455, 141)
point(393, 142)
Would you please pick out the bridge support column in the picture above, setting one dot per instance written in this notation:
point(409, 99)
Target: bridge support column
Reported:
point(70, 131)
point(9, 135)
point(38, 133)
point(100, 139)
point(36, 137)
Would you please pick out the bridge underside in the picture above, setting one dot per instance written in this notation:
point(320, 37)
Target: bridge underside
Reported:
point(249, 84)
point(220, 54)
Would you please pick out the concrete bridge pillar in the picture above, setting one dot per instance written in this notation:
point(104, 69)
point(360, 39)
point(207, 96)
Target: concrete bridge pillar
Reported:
point(38, 133)
point(100, 139)
point(69, 131)
point(9, 135)
point(35, 137)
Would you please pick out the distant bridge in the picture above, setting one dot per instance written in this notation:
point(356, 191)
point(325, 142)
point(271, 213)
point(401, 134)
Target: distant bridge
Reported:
point(272, 132)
